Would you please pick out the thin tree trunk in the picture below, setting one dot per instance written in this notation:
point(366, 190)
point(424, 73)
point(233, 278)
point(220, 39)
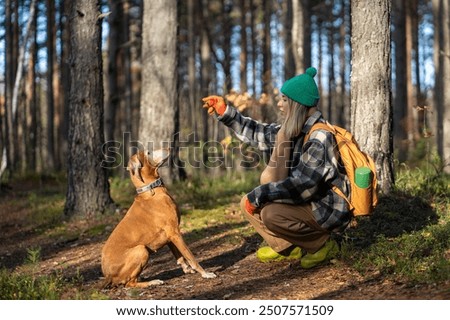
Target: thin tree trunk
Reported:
point(411, 103)
point(31, 102)
point(253, 10)
point(65, 77)
point(113, 100)
point(8, 148)
point(227, 27)
point(401, 97)
point(126, 83)
point(341, 112)
point(441, 13)
point(420, 98)
point(267, 52)
point(301, 34)
point(192, 88)
point(206, 79)
point(289, 64)
point(243, 55)
point(331, 77)
point(320, 57)
point(50, 161)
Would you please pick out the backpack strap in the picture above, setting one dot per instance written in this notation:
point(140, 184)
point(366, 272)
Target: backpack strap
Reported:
point(320, 126)
point(328, 127)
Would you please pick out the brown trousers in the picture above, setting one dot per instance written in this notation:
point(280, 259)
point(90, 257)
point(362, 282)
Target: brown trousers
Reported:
point(284, 225)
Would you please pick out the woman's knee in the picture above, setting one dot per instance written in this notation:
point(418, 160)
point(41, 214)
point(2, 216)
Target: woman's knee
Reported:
point(270, 218)
point(244, 198)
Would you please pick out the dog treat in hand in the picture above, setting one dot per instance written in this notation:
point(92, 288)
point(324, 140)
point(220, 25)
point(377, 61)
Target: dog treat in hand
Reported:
point(214, 104)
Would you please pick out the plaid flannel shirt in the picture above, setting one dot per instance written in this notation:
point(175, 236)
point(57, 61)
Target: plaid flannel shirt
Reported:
point(314, 168)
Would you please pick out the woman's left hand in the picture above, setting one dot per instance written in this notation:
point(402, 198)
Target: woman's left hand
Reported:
point(249, 207)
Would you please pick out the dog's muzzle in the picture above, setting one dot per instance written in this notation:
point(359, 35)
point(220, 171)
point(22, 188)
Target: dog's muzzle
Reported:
point(149, 187)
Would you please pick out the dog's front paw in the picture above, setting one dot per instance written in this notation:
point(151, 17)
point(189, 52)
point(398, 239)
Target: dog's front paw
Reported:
point(208, 275)
point(187, 269)
point(155, 283)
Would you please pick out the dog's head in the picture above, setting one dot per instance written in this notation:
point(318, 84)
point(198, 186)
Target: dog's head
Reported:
point(143, 166)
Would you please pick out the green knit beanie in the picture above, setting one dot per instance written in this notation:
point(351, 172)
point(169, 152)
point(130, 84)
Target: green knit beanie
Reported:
point(302, 88)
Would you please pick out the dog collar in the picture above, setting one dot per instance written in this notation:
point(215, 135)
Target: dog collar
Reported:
point(149, 187)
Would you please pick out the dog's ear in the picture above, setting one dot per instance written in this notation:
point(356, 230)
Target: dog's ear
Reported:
point(135, 166)
point(158, 157)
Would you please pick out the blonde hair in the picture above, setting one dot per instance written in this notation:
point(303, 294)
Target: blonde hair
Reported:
point(296, 115)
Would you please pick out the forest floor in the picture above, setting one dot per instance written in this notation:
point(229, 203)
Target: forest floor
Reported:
point(33, 241)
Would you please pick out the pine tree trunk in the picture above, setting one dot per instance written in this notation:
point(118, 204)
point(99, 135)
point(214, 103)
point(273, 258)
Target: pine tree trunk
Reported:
point(301, 34)
point(88, 186)
point(289, 60)
point(159, 107)
point(9, 85)
point(30, 104)
point(331, 79)
point(267, 52)
point(206, 80)
point(441, 13)
point(227, 28)
point(192, 113)
point(371, 120)
point(254, 45)
point(342, 105)
point(243, 56)
point(411, 103)
point(401, 98)
point(65, 78)
point(112, 105)
point(50, 161)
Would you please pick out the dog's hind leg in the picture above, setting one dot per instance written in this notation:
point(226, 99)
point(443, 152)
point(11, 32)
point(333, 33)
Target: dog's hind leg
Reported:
point(179, 243)
point(135, 261)
point(180, 259)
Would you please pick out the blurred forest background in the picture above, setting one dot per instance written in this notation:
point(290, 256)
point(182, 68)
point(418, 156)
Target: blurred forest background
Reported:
point(242, 49)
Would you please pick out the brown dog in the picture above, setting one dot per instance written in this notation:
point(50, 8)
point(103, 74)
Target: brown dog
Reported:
point(151, 222)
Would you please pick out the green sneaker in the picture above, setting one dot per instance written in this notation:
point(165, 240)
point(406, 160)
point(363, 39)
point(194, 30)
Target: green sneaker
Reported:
point(267, 254)
point(326, 253)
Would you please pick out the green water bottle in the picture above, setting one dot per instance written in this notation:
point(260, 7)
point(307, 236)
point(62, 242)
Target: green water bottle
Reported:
point(363, 177)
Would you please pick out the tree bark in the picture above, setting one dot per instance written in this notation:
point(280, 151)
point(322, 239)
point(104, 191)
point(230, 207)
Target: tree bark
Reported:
point(159, 106)
point(301, 34)
point(88, 186)
point(289, 60)
point(371, 120)
point(243, 55)
point(400, 97)
point(343, 107)
point(31, 104)
point(50, 161)
point(8, 162)
point(113, 98)
point(411, 103)
point(441, 13)
point(331, 104)
point(65, 76)
point(266, 47)
point(192, 88)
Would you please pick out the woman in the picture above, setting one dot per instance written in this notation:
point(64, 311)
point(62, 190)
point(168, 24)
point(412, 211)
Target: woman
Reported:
point(294, 209)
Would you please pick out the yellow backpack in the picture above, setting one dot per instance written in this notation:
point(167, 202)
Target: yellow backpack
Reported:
point(360, 169)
